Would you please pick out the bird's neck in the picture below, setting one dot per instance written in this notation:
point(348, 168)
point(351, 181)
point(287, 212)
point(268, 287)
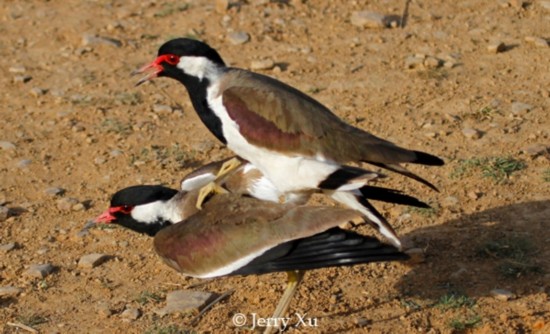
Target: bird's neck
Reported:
point(197, 90)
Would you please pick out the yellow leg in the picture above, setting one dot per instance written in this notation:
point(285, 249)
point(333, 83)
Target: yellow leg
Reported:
point(228, 166)
point(294, 279)
point(211, 188)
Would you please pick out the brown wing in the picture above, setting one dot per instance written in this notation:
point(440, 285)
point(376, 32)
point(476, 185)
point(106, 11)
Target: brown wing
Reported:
point(276, 116)
point(231, 227)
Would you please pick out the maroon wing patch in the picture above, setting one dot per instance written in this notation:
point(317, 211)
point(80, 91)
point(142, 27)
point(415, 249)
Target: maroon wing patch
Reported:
point(258, 130)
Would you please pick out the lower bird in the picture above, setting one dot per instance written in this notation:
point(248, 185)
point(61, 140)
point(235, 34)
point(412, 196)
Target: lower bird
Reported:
point(248, 180)
point(240, 235)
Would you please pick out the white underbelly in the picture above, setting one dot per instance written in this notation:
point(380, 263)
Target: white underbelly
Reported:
point(287, 173)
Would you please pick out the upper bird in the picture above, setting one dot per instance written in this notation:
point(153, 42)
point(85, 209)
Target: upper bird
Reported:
point(295, 141)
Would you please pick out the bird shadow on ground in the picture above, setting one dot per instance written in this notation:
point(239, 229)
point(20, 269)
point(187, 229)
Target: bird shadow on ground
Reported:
point(504, 247)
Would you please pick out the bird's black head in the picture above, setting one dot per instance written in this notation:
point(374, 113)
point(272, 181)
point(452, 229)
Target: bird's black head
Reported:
point(140, 208)
point(183, 57)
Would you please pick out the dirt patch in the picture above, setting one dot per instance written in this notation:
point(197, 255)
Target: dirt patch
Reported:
point(468, 81)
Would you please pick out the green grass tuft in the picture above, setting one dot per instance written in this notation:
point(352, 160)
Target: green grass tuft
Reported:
point(497, 168)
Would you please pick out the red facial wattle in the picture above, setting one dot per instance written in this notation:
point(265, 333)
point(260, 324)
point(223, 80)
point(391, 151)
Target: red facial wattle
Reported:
point(156, 67)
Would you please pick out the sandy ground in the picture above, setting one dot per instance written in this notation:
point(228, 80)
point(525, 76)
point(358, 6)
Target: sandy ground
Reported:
point(72, 120)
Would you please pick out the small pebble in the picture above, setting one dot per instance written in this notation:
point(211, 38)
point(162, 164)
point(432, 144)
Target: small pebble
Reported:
point(496, 47)
point(92, 260)
point(520, 108)
point(78, 207)
point(131, 313)
point(238, 37)
point(474, 195)
point(8, 247)
point(67, 203)
point(502, 294)
point(115, 153)
point(450, 201)
point(7, 145)
point(432, 62)
point(537, 41)
point(104, 310)
point(6, 291)
point(162, 108)
point(535, 150)
point(54, 191)
point(39, 270)
point(23, 163)
point(37, 91)
point(17, 69)
point(265, 64)
point(88, 39)
point(368, 19)
point(22, 78)
point(99, 161)
point(471, 133)
point(413, 62)
point(183, 301)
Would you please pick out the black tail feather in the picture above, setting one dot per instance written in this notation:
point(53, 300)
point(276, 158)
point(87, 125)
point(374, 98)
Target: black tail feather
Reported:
point(423, 158)
point(403, 171)
point(391, 196)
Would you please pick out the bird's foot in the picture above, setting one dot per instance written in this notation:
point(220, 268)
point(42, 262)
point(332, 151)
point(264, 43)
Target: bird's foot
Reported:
point(207, 190)
point(228, 166)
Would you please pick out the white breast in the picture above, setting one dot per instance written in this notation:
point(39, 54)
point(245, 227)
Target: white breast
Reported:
point(287, 173)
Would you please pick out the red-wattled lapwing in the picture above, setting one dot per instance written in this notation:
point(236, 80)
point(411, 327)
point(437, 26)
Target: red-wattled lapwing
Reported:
point(240, 235)
point(295, 141)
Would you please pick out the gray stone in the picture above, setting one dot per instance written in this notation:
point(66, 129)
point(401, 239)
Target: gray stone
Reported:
point(238, 37)
point(535, 150)
point(265, 64)
point(432, 62)
point(8, 291)
point(37, 91)
point(520, 108)
point(450, 201)
point(17, 69)
point(413, 62)
point(131, 313)
point(496, 47)
point(67, 203)
point(471, 133)
point(7, 145)
point(8, 247)
point(88, 40)
point(39, 270)
point(54, 191)
point(103, 310)
point(92, 260)
point(502, 294)
point(22, 78)
point(537, 41)
point(4, 213)
point(162, 108)
point(368, 19)
point(115, 153)
point(183, 301)
point(24, 163)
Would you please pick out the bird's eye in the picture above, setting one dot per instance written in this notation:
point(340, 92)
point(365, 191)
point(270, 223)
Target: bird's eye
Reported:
point(172, 59)
point(126, 209)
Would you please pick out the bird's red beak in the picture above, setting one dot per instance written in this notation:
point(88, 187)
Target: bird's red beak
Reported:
point(106, 217)
point(153, 68)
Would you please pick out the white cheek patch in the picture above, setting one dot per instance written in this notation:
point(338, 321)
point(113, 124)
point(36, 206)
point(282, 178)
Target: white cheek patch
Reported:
point(199, 67)
point(148, 213)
